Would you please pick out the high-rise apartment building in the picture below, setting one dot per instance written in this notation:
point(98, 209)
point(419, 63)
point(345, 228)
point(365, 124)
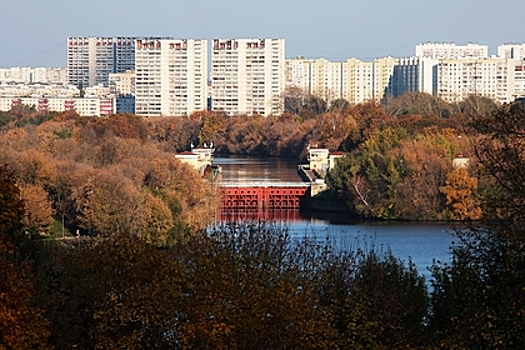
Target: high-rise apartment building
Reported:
point(358, 81)
point(517, 78)
point(297, 73)
point(424, 71)
point(90, 60)
point(365, 81)
point(412, 74)
point(383, 71)
point(170, 76)
point(353, 80)
point(247, 76)
point(320, 77)
point(326, 79)
point(458, 79)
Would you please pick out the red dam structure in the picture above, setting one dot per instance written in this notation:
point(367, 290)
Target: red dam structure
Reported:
point(280, 195)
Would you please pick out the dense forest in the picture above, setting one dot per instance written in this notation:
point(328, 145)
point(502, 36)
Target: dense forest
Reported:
point(105, 239)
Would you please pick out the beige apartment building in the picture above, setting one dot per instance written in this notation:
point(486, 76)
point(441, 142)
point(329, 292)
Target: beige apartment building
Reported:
point(354, 80)
point(122, 84)
point(366, 81)
point(326, 79)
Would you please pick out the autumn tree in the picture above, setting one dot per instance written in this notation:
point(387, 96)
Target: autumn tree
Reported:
point(22, 323)
point(11, 206)
point(333, 127)
point(478, 299)
point(38, 211)
point(459, 191)
point(293, 99)
point(417, 103)
point(394, 301)
point(478, 105)
point(211, 125)
point(106, 203)
point(139, 291)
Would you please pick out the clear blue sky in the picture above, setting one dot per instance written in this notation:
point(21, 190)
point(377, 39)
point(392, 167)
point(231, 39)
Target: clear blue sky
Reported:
point(34, 32)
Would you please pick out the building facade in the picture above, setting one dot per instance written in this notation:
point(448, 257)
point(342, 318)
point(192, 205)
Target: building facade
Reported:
point(461, 78)
point(122, 87)
point(28, 75)
point(247, 76)
point(297, 73)
point(511, 51)
point(90, 60)
point(87, 107)
point(170, 77)
point(451, 51)
point(326, 79)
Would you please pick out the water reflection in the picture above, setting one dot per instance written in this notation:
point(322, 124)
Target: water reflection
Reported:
point(260, 214)
point(423, 243)
point(255, 169)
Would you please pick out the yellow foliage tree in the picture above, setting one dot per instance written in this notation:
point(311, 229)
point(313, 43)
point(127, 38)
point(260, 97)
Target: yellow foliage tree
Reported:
point(459, 191)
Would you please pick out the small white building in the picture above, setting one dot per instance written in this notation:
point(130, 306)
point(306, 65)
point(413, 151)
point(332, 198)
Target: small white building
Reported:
point(198, 158)
point(321, 160)
point(460, 161)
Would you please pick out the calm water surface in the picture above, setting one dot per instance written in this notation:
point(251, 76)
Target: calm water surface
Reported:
point(254, 169)
point(423, 243)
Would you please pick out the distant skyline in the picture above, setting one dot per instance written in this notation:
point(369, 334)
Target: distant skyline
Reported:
point(34, 32)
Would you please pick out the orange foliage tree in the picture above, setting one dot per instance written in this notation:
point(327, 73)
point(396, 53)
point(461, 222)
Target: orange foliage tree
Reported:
point(459, 191)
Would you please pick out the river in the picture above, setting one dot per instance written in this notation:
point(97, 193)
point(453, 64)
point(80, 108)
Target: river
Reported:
point(423, 243)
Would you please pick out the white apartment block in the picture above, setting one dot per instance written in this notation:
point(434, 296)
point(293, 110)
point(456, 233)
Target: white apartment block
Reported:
point(28, 75)
point(297, 73)
point(38, 90)
point(326, 79)
point(319, 77)
point(88, 107)
point(383, 71)
point(247, 76)
point(354, 80)
point(458, 79)
point(170, 77)
point(90, 60)
point(451, 51)
point(517, 78)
